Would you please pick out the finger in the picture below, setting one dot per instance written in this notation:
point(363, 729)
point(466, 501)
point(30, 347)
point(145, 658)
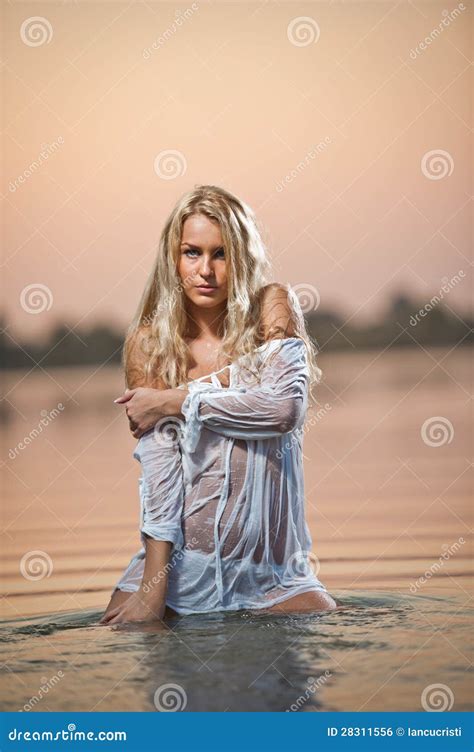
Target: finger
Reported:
point(128, 394)
point(106, 619)
point(110, 615)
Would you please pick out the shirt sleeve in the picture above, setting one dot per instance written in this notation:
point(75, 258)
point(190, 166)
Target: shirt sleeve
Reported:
point(272, 407)
point(162, 486)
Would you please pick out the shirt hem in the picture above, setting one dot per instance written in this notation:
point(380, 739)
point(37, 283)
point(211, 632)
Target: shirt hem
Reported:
point(246, 606)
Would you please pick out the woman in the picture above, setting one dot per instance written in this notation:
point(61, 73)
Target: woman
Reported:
point(222, 358)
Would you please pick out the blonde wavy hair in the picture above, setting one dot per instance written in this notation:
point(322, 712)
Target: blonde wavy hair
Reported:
point(160, 322)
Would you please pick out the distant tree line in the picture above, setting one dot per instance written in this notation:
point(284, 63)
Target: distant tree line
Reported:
point(406, 322)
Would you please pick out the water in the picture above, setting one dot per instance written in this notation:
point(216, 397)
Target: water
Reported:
point(376, 651)
point(382, 505)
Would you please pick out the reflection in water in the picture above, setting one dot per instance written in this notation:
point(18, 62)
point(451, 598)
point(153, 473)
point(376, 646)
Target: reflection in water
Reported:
point(376, 651)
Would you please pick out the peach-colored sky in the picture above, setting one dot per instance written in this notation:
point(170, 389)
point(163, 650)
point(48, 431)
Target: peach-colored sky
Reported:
point(244, 92)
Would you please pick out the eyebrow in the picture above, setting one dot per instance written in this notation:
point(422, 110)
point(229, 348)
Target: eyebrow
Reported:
point(197, 248)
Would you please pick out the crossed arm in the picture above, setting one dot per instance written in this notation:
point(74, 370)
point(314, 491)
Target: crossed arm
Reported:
point(145, 405)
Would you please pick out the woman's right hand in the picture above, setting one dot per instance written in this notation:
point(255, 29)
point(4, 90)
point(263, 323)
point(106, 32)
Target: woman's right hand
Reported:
point(145, 406)
point(138, 607)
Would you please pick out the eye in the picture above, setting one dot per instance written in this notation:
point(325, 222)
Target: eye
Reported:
point(191, 252)
point(220, 253)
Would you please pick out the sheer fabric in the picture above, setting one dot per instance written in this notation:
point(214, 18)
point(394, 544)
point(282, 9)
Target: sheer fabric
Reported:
point(227, 489)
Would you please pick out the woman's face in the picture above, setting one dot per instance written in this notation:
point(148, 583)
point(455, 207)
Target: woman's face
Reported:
point(202, 265)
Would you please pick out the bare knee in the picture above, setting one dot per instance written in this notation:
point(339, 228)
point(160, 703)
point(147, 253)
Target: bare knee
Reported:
point(314, 600)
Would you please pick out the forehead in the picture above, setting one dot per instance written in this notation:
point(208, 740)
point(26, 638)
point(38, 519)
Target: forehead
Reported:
point(200, 230)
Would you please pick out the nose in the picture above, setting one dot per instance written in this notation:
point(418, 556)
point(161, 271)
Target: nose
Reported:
point(206, 268)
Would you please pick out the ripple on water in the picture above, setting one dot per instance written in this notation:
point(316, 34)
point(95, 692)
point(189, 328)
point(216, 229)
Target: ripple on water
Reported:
point(376, 651)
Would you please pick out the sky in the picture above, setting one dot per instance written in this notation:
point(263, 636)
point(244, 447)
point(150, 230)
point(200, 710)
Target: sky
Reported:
point(346, 126)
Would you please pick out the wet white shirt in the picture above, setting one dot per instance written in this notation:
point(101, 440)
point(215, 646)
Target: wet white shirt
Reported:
point(227, 489)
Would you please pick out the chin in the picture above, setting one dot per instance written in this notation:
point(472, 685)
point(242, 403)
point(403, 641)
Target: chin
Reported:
point(203, 301)
point(207, 302)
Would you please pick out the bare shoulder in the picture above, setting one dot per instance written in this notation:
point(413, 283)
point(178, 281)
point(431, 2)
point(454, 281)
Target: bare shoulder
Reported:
point(138, 350)
point(280, 313)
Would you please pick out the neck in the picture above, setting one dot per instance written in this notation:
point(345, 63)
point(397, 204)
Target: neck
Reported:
point(204, 322)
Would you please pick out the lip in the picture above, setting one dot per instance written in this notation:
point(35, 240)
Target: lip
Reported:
point(205, 288)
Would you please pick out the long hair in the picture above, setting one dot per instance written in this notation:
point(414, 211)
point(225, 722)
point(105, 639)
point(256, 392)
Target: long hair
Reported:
point(160, 322)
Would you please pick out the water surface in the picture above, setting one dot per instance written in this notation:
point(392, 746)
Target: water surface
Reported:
point(383, 507)
point(375, 651)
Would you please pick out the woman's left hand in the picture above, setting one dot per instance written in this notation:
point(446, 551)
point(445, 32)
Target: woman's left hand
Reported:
point(137, 607)
point(146, 406)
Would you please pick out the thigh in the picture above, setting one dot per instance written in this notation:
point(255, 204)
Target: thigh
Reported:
point(314, 600)
point(120, 596)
